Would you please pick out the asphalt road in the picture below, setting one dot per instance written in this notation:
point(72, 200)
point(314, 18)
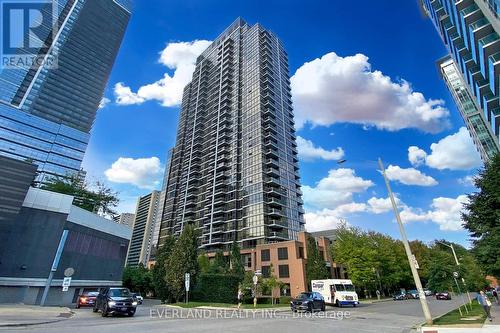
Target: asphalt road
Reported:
point(390, 316)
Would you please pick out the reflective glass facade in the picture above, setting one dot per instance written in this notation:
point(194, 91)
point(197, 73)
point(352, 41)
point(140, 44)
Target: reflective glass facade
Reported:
point(470, 30)
point(233, 172)
point(46, 113)
point(473, 117)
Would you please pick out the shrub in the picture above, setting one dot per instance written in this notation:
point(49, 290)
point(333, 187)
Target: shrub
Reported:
point(285, 300)
point(218, 288)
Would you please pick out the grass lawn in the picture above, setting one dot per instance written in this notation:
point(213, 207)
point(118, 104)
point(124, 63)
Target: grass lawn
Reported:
point(476, 316)
point(228, 305)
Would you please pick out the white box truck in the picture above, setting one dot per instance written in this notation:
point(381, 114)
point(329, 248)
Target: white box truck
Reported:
point(336, 291)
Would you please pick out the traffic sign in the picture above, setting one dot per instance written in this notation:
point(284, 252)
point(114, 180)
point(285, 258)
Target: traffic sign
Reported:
point(186, 281)
point(69, 271)
point(455, 274)
point(66, 283)
point(255, 279)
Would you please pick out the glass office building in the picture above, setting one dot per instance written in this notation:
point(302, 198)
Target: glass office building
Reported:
point(470, 112)
point(47, 111)
point(469, 29)
point(233, 172)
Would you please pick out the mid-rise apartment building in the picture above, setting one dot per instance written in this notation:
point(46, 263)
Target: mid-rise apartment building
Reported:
point(287, 261)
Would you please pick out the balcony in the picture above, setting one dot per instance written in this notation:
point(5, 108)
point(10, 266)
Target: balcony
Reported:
point(278, 234)
point(275, 212)
point(273, 172)
point(276, 192)
point(276, 224)
point(272, 181)
point(270, 144)
point(271, 162)
point(223, 165)
point(275, 202)
point(272, 153)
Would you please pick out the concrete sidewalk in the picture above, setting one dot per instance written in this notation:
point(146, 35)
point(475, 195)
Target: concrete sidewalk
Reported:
point(12, 315)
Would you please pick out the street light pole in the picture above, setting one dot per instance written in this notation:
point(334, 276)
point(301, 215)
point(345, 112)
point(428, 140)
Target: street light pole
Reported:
point(416, 278)
point(458, 264)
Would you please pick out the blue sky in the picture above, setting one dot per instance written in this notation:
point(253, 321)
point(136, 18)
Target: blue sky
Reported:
point(376, 95)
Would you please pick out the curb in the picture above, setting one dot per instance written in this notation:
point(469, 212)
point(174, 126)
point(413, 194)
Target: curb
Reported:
point(61, 318)
point(31, 324)
point(279, 309)
point(376, 301)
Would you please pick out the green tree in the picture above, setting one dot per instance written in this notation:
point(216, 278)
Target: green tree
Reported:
point(104, 200)
point(441, 269)
point(182, 259)
point(352, 250)
point(219, 264)
point(137, 279)
point(203, 263)
point(481, 216)
point(271, 284)
point(316, 266)
point(159, 270)
point(101, 200)
point(235, 261)
point(423, 254)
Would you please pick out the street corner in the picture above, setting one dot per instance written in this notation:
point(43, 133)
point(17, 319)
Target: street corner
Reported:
point(18, 315)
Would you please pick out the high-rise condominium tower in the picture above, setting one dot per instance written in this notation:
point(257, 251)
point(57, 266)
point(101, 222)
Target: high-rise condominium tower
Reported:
point(142, 242)
point(470, 29)
point(47, 107)
point(478, 129)
point(233, 172)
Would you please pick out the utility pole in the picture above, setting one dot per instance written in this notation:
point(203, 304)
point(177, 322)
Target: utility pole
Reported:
point(416, 278)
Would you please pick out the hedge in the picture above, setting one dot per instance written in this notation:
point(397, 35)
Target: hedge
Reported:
point(217, 288)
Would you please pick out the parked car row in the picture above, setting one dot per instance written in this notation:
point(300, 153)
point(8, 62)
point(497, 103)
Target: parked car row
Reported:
point(110, 301)
point(413, 294)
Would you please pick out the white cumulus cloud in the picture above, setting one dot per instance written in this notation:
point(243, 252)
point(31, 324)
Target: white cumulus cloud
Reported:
point(334, 89)
point(336, 189)
point(416, 156)
point(454, 152)
point(309, 152)
point(444, 211)
point(141, 172)
point(409, 176)
point(382, 205)
point(104, 102)
point(179, 57)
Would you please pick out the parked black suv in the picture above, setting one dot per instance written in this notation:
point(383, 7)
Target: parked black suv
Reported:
point(308, 302)
point(115, 300)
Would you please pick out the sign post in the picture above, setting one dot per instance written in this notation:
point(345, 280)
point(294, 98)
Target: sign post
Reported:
point(55, 263)
point(255, 281)
point(186, 285)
